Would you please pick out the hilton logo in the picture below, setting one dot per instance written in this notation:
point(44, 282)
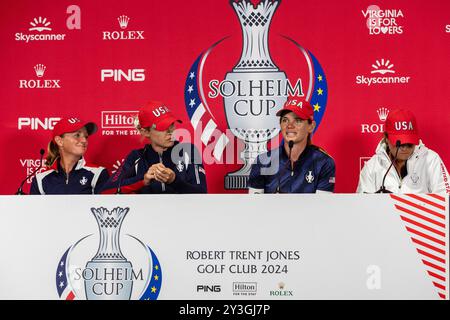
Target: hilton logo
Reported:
point(244, 288)
point(118, 119)
point(119, 123)
point(123, 34)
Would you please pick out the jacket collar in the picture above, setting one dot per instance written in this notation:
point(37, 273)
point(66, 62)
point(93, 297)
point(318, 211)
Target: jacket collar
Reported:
point(285, 156)
point(419, 150)
point(57, 165)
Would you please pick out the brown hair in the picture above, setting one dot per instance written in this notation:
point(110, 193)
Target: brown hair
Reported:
point(385, 141)
point(52, 153)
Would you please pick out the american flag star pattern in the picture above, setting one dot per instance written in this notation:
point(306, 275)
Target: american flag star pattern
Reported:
point(201, 119)
point(64, 290)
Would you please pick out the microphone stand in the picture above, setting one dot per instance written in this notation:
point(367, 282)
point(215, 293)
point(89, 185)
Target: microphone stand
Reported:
point(383, 188)
point(19, 191)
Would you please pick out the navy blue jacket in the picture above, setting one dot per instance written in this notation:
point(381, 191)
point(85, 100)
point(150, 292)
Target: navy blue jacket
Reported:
point(313, 171)
point(83, 179)
point(182, 158)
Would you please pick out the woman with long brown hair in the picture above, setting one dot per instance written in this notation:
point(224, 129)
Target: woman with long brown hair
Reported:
point(67, 171)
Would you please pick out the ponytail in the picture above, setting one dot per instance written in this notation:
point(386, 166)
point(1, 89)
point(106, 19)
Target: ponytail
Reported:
point(52, 153)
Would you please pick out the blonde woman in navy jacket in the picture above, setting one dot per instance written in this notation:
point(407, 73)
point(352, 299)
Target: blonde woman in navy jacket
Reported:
point(67, 171)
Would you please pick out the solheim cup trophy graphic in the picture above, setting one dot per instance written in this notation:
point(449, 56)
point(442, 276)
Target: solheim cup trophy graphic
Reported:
point(111, 272)
point(255, 90)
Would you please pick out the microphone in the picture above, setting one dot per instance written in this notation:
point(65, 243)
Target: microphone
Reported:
point(383, 188)
point(20, 191)
point(290, 145)
point(121, 177)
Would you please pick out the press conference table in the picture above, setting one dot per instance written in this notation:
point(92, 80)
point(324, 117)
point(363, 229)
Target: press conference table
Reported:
point(340, 246)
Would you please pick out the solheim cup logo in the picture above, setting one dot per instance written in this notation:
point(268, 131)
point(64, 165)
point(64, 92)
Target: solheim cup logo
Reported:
point(109, 275)
point(252, 118)
point(109, 257)
point(252, 91)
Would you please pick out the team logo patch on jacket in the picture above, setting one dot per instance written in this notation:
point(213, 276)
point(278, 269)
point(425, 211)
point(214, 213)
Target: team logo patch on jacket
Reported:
point(180, 166)
point(414, 178)
point(83, 181)
point(309, 177)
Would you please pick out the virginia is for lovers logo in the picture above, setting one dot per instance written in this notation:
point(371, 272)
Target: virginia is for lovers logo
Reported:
point(244, 97)
point(109, 274)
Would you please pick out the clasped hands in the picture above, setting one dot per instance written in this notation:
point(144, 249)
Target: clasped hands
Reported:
point(160, 173)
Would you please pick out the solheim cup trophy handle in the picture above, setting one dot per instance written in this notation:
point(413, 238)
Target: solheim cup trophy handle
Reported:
point(251, 114)
point(111, 273)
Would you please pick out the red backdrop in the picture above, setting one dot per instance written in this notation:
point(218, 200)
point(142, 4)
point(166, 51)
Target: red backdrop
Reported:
point(409, 40)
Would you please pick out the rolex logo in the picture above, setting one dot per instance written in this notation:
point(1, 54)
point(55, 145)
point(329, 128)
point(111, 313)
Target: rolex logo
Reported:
point(39, 83)
point(123, 21)
point(39, 69)
point(123, 34)
point(382, 67)
point(383, 113)
point(40, 24)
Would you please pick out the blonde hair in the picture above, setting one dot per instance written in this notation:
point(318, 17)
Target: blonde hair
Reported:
point(52, 153)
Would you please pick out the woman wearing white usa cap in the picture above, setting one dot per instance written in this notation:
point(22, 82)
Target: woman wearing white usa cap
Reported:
point(402, 163)
point(67, 171)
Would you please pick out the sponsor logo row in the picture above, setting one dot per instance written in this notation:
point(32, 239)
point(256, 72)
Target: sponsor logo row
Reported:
point(245, 289)
point(126, 119)
point(379, 22)
point(382, 73)
point(41, 29)
point(106, 75)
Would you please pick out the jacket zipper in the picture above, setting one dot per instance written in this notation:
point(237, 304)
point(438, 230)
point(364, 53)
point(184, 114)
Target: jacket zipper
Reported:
point(163, 185)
